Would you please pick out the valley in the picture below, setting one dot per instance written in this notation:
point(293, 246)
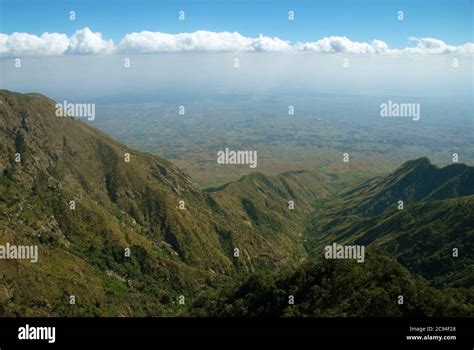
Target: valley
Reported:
point(128, 248)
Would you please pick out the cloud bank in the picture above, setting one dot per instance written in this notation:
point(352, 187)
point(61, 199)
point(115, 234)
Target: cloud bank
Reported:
point(87, 42)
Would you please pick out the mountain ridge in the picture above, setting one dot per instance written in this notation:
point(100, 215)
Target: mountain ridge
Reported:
point(184, 242)
point(120, 205)
point(419, 214)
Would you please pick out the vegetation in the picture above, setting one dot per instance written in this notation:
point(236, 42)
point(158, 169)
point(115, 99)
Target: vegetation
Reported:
point(329, 288)
point(114, 234)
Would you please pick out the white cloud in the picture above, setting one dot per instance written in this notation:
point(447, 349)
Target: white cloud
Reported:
point(87, 42)
point(436, 46)
point(24, 44)
point(334, 44)
point(84, 41)
point(429, 46)
point(466, 48)
point(197, 41)
point(200, 40)
point(265, 43)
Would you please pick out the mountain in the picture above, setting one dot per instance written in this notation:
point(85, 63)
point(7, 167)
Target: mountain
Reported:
point(414, 181)
point(329, 288)
point(124, 233)
point(421, 251)
point(434, 239)
point(436, 218)
point(272, 205)
point(179, 236)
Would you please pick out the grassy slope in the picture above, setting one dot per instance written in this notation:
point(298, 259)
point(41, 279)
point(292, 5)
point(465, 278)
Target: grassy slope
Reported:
point(123, 205)
point(437, 216)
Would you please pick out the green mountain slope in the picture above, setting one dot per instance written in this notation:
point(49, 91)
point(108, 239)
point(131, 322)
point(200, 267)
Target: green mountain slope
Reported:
point(122, 206)
point(437, 217)
point(329, 288)
point(274, 206)
point(409, 253)
point(434, 239)
point(133, 238)
point(415, 180)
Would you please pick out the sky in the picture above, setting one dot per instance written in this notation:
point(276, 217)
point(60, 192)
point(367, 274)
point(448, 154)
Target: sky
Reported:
point(84, 57)
point(359, 20)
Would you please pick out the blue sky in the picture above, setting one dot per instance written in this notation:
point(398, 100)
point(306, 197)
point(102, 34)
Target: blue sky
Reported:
point(81, 63)
point(360, 20)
